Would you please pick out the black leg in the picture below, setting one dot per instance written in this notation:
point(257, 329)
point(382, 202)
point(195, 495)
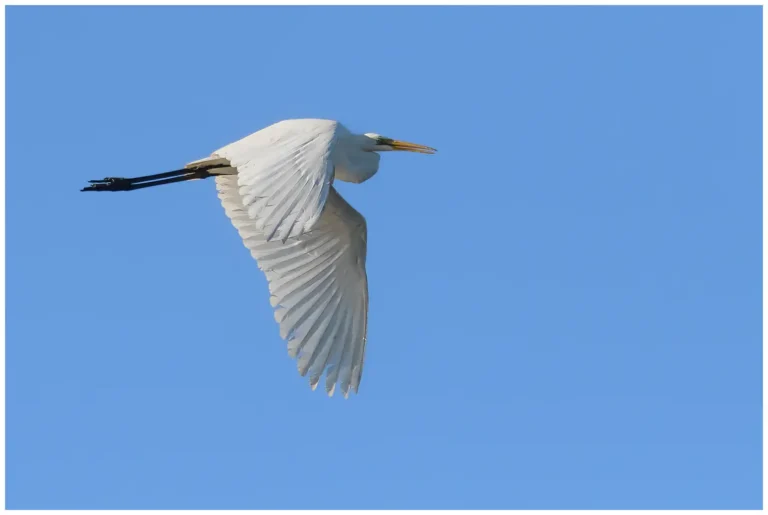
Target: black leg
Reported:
point(135, 183)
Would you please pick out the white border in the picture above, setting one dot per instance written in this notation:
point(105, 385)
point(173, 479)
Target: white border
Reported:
point(765, 248)
point(393, 2)
point(2, 265)
point(352, 2)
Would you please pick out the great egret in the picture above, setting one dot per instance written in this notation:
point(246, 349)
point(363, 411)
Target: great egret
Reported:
point(276, 186)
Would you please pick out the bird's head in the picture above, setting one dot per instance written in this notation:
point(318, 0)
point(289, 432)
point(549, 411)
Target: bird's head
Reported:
point(383, 144)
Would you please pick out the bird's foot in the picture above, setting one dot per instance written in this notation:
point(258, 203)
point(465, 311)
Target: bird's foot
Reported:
point(109, 184)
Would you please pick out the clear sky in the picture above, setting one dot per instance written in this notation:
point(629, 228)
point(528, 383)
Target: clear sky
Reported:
point(565, 301)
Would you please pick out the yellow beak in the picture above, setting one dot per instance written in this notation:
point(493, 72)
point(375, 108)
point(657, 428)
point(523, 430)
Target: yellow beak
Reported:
point(410, 147)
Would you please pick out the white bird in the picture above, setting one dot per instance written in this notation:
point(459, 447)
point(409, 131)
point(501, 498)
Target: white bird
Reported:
point(276, 186)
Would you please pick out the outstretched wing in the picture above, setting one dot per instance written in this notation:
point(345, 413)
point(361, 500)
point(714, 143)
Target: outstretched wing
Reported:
point(284, 174)
point(318, 284)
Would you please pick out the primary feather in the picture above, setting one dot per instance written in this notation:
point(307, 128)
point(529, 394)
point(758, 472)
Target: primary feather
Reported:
point(318, 286)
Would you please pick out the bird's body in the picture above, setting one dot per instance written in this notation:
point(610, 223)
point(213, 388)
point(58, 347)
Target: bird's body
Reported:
point(276, 186)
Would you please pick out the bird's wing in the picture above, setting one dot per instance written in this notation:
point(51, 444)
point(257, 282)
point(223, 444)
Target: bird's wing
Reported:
point(284, 174)
point(318, 287)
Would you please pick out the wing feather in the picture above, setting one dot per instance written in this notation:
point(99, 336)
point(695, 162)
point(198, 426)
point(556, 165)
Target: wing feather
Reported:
point(318, 285)
point(284, 174)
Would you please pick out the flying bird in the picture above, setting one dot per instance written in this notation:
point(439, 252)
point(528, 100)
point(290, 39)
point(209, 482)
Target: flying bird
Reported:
point(276, 186)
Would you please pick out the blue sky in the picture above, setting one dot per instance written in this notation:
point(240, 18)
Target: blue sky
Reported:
point(565, 300)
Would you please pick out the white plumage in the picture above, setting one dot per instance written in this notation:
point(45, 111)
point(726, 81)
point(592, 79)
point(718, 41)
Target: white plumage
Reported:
point(276, 186)
point(284, 173)
point(318, 286)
